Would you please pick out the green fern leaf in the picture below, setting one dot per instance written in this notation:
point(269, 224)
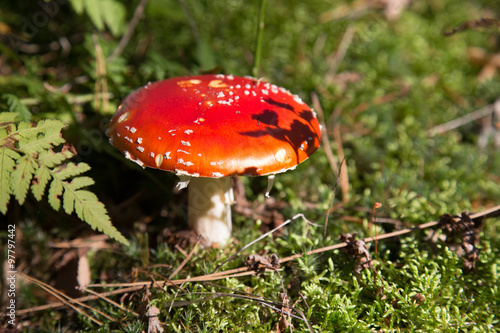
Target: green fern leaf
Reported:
point(6, 119)
point(16, 106)
point(80, 182)
point(70, 170)
point(7, 164)
point(50, 159)
point(40, 181)
point(90, 209)
point(21, 177)
point(27, 157)
point(55, 191)
point(34, 139)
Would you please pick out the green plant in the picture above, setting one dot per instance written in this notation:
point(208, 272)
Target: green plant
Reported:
point(28, 160)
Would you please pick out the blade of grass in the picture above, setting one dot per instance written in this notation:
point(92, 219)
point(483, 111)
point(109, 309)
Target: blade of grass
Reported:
point(258, 42)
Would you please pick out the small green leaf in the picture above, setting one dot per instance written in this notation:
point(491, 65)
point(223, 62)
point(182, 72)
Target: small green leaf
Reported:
point(77, 5)
point(113, 14)
point(68, 201)
point(34, 139)
point(16, 106)
point(90, 209)
point(80, 182)
point(94, 10)
point(50, 159)
point(21, 177)
point(7, 164)
point(7, 118)
point(70, 170)
point(40, 181)
point(55, 191)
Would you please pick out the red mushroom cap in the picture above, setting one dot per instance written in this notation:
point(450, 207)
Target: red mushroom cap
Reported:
point(215, 126)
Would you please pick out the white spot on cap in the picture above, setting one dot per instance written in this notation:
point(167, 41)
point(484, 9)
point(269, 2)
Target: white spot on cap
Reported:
point(265, 91)
point(127, 127)
point(297, 99)
point(139, 140)
point(280, 155)
point(186, 163)
point(183, 151)
point(185, 143)
point(133, 130)
point(188, 131)
point(124, 116)
point(230, 77)
point(220, 94)
point(217, 84)
point(129, 139)
point(141, 149)
point(246, 92)
point(217, 174)
point(167, 155)
point(158, 160)
point(248, 86)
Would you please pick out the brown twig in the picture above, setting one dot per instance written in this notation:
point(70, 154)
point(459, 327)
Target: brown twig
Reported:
point(64, 298)
point(109, 300)
point(139, 10)
point(330, 204)
point(455, 123)
point(332, 160)
point(184, 262)
point(101, 83)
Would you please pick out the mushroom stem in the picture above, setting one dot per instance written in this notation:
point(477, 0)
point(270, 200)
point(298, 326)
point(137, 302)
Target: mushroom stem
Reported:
point(209, 210)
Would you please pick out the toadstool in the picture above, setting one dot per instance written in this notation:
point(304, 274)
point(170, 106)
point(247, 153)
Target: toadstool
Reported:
point(207, 128)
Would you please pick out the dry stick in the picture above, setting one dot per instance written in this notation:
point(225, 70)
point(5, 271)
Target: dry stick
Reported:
point(184, 262)
point(101, 84)
point(258, 239)
point(191, 20)
point(455, 123)
point(332, 160)
point(139, 10)
point(60, 296)
point(331, 202)
point(76, 300)
point(336, 60)
point(344, 176)
point(109, 301)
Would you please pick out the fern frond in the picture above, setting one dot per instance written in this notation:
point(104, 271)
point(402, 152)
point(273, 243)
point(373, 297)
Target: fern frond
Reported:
point(7, 118)
point(68, 170)
point(35, 139)
point(40, 181)
point(8, 159)
point(21, 177)
point(16, 106)
point(27, 157)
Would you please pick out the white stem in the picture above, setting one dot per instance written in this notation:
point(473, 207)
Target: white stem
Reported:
point(209, 210)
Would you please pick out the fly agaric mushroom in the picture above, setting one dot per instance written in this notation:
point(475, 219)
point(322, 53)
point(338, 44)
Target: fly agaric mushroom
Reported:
point(207, 128)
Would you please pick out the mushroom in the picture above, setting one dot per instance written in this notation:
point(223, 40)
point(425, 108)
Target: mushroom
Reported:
point(207, 128)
